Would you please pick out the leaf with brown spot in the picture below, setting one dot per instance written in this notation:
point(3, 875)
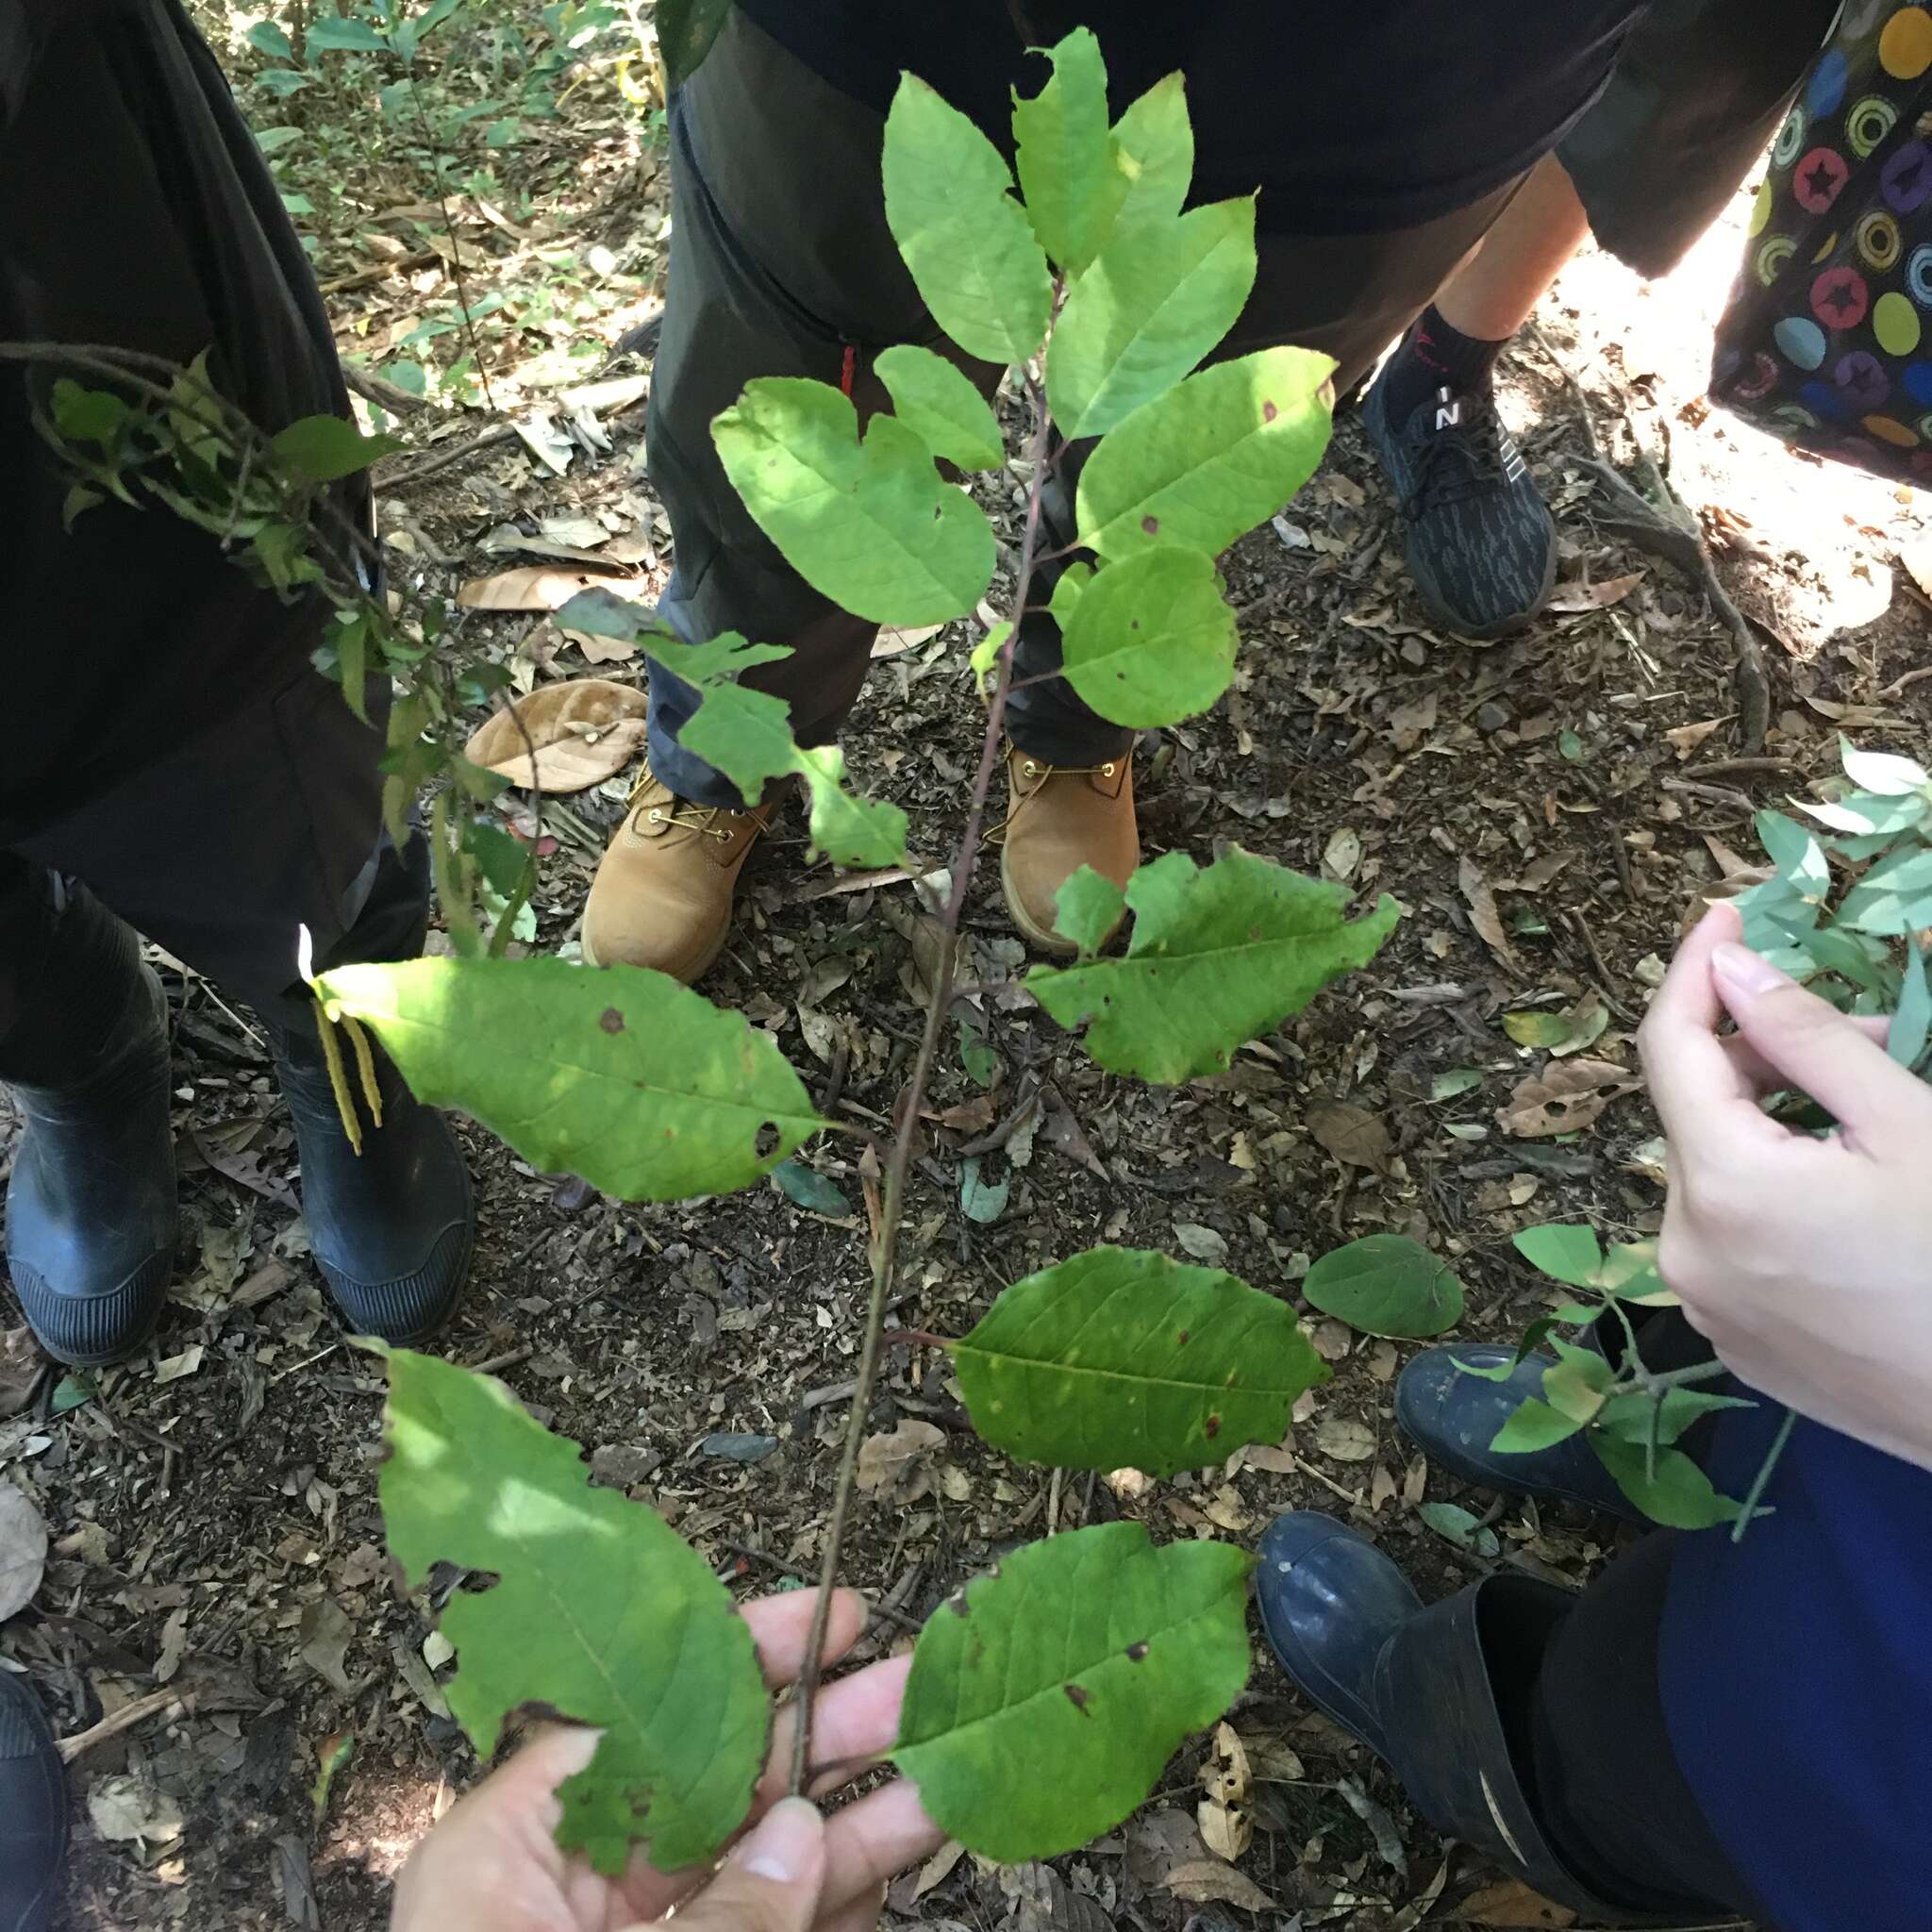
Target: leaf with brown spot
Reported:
point(1512, 1904)
point(1352, 1134)
point(1564, 1098)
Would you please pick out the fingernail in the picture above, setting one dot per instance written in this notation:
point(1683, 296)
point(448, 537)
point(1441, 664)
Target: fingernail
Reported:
point(1740, 970)
point(781, 1847)
point(575, 1748)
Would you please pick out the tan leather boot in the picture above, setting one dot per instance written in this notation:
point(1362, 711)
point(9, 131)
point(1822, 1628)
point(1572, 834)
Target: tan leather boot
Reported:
point(1059, 818)
point(662, 894)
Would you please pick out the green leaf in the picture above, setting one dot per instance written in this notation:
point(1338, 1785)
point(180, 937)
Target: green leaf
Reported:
point(1864, 814)
point(747, 736)
point(87, 415)
point(1068, 589)
point(267, 37)
point(600, 1613)
point(332, 35)
point(1159, 297)
point(810, 1188)
point(1157, 152)
point(978, 1058)
point(1124, 1357)
point(1568, 1254)
point(1578, 1383)
point(1203, 464)
point(981, 1200)
point(871, 526)
point(1632, 1417)
point(1087, 909)
point(326, 448)
point(1559, 1033)
point(936, 399)
point(1385, 1284)
point(986, 653)
point(1534, 1425)
point(1152, 641)
point(686, 29)
point(1456, 1524)
point(1894, 897)
point(1905, 1041)
point(1086, 1659)
point(1453, 1081)
point(1798, 856)
point(1881, 772)
point(1068, 160)
point(641, 1085)
point(968, 243)
point(1218, 957)
point(1679, 1495)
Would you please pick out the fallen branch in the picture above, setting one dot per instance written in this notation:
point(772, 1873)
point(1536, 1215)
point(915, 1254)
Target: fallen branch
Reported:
point(1670, 531)
point(176, 1703)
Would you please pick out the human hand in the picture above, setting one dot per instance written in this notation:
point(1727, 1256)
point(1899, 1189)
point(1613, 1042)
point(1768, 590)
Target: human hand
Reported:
point(1806, 1261)
point(492, 1864)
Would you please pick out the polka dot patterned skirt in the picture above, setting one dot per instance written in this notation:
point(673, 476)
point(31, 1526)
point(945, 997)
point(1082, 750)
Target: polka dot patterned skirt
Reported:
point(1827, 339)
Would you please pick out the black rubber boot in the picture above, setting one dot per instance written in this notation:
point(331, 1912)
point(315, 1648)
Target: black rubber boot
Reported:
point(91, 1215)
point(394, 1226)
point(33, 1810)
point(1454, 1418)
point(1414, 1684)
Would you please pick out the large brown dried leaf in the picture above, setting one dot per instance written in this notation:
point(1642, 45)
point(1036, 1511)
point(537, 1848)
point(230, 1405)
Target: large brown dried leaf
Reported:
point(22, 1551)
point(1564, 1097)
point(1512, 1904)
point(1598, 596)
point(1355, 1136)
point(584, 731)
point(1482, 911)
point(543, 587)
point(1203, 1880)
point(896, 1462)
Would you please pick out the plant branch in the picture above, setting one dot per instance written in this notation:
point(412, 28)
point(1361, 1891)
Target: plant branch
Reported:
point(1761, 1481)
point(905, 1126)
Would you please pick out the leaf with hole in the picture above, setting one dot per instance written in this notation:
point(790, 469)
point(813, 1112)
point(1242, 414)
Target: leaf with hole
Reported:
point(1151, 640)
point(971, 250)
point(639, 1084)
point(1215, 456)
point(1124, 1357)
point(1219, 955)
point(937, 400)
point(600, 1613)
point(1067, 157)
point(1161, 295)
point(1385, 1284)
point(1086, 1658)
point(872, 525)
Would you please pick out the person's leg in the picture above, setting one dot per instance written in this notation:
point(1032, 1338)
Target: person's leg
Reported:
point(224, 851)
point(782, 266)
point(1520, 1718)
point(33, 1810)
point(1070, 770)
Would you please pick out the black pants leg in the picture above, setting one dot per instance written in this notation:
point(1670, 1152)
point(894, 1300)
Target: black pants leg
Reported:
point(222, 852)
point(784, 266)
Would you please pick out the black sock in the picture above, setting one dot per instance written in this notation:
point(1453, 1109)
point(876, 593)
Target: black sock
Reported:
point(1432, 355)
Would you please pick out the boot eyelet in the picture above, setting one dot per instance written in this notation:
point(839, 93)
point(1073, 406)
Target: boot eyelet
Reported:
point(654, 816)
point(1029, 770)
point(1106, 771)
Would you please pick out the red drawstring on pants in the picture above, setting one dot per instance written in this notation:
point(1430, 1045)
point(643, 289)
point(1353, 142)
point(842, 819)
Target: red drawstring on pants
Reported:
point(849, 370)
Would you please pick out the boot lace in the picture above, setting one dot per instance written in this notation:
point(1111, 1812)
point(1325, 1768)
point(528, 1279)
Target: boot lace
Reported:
point(677, 812)
point(1039, 768)
point(1465, 455)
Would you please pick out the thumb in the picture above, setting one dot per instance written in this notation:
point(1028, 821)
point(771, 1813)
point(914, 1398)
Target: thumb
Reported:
point(772, 1880)
point(1819, 1050)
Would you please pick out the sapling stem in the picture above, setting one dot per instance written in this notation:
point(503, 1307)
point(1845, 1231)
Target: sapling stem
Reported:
point(905, 1122)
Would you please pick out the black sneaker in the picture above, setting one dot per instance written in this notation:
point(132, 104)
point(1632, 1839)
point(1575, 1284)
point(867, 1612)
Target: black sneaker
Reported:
point(1481, 544)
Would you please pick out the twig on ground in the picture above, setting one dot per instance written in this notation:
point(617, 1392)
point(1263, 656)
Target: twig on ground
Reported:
point(1672, 532)
point(170, 1699)
point(447, 459)
point(384, 394)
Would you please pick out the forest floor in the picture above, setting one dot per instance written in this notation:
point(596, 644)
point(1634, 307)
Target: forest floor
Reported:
point(1546, 808)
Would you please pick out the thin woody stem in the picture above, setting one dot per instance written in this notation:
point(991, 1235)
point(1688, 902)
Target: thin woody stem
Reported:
point(905, 1126)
